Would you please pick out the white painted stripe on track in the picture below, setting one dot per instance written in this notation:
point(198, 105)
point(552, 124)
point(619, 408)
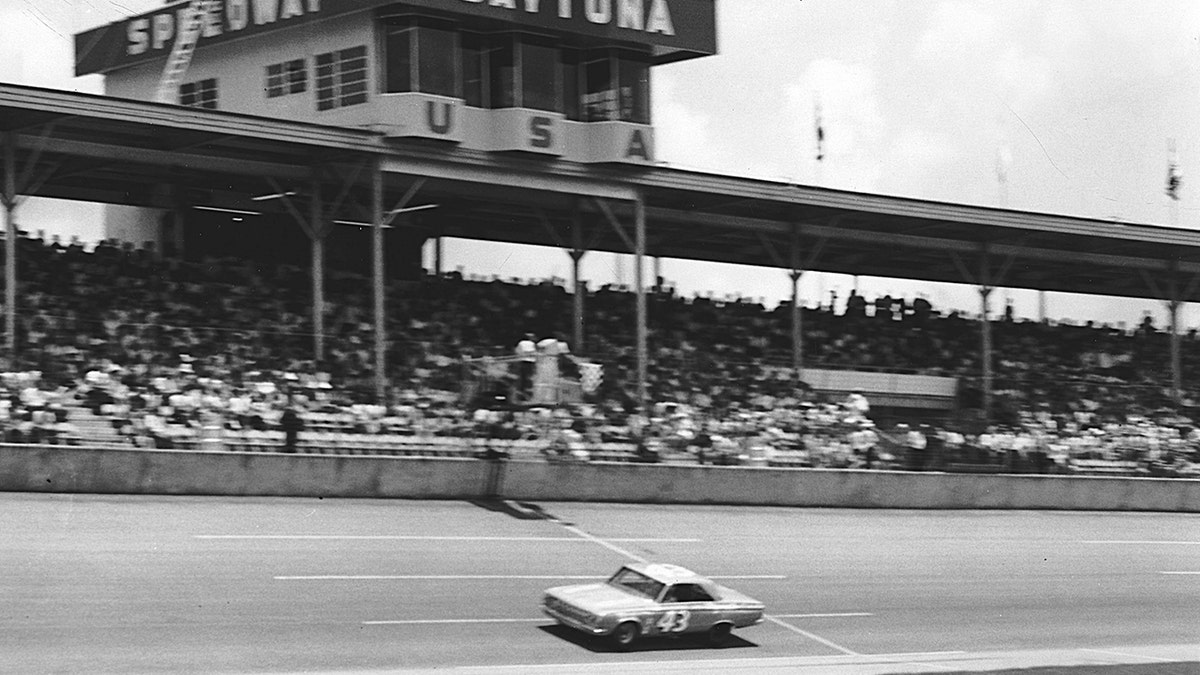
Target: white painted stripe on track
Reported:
point(434, 577)
point(418, 622)
point(838, 615)
point(935, 666)
point(414, 537)
point(1140, 542)
point(1128, 655)
point(633, 556)
point(811, 636)
point(1179, 573)
point(485, 577)
point(899, 657)
point(608, 545)
point(748, 577)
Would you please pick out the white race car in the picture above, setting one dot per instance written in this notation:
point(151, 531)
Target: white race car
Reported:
point(652, 599)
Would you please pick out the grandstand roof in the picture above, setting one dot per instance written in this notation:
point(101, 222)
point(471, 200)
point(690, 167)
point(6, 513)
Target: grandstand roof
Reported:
point(80, 146)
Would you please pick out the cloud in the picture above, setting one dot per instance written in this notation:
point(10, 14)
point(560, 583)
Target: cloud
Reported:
point(925, 155)
point(684, 135)
point(957, 28)
point(974, 50)
point(38, 49)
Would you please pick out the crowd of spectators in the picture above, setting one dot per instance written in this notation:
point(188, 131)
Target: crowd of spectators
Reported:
point(31, 412)
point(168, 348)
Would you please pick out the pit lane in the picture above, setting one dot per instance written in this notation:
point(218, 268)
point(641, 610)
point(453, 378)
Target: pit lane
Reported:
point(170, 584)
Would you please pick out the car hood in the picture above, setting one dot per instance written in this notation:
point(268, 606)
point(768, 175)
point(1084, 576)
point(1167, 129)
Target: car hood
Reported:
point(600, 598)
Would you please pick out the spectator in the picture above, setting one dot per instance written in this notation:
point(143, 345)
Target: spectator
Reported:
point(915, 443)
point(292, 425)
point(526, 359)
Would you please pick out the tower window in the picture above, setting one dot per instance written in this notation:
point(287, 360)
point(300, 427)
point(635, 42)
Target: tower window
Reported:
point(286, 78)
point(199, 94)
point(422, 55)
point(539, 73)
point(342, 78)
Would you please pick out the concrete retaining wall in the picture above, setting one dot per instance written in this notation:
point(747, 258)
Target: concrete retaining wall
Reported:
point(68, 469)
point(844, 488)
point(94, 470)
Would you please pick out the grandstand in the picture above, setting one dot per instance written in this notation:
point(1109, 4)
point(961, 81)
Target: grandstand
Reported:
point(122, 348)
point(266, 254)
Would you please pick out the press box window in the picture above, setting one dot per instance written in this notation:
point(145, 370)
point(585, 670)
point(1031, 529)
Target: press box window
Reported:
point(616, 86)
point(539, 73)
point(502, 75)
point(422, 55)
point(569, 65)
point(399, 76)
point(287, 78)
point(199, 94)
point(341, 78)
point(600, 88)
point(473, 50)
point(437, 58)
point(633, 75)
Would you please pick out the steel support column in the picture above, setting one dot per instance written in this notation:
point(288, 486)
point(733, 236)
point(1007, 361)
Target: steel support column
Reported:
point(795, 267)
point(985, 325)
point(316, 228)
point(1172, 298)
point(10, 245)
point(986, 282)
point(638, 246)
point(180, 209)
point(317, 241)
point(577, 252)
point(378, 287)
point(1176, 357)
point(639, 211)
point(797, 315)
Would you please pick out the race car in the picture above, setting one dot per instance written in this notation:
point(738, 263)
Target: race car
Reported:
point(644, 599)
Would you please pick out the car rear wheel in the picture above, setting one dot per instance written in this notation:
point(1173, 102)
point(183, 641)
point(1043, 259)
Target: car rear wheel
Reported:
point(625, 634)
point(719, 634)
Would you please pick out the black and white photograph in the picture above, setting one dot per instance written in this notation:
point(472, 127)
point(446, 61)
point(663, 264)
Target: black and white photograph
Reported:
point(600, 337)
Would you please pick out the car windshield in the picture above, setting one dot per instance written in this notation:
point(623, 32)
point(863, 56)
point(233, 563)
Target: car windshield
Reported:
point(637, 583)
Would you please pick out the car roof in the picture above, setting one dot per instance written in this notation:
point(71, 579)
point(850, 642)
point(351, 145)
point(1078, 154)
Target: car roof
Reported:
point(668, 574)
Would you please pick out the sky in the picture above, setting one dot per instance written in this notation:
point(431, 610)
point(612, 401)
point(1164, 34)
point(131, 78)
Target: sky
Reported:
point(1054, 106)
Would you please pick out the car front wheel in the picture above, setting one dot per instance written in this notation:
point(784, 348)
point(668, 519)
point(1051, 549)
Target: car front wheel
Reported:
point(625, 634)
point(719, 634)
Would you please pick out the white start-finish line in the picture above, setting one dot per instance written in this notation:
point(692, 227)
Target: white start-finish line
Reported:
point(424, 622)
point(633, 556)
point(1139, 542)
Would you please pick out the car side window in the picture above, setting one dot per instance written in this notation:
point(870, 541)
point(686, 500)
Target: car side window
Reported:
point(687, 593)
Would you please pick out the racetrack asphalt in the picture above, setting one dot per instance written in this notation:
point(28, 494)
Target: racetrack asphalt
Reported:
point(122, 584)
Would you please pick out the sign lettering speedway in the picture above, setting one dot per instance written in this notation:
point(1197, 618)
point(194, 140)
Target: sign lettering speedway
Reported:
point(676, 29)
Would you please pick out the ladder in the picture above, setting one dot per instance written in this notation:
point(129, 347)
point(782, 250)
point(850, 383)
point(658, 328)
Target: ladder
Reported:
point(186, 36)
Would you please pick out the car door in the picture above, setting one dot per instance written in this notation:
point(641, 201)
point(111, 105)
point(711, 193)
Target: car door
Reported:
point(685, 608)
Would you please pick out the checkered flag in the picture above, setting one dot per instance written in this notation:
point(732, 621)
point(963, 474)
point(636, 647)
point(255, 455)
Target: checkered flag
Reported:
point(590, 376)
